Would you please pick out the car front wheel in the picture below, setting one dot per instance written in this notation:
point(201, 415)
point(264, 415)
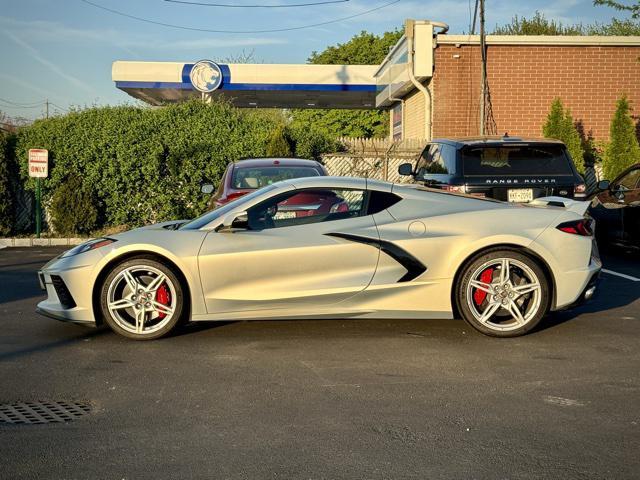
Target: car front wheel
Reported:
point(503, 293)
point(142, 299)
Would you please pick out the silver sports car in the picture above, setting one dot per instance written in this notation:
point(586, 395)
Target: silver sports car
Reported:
point(334, 247)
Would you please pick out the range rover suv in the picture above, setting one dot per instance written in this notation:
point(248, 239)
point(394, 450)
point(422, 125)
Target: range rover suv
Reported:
point(505, 168)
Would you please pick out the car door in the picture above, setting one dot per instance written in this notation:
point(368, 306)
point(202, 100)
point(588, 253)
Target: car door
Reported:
point(288, 257)
point(608, 210)
point(630, 186)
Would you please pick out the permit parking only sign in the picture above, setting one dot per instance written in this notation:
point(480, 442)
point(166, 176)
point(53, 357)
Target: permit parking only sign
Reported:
point(38, 163)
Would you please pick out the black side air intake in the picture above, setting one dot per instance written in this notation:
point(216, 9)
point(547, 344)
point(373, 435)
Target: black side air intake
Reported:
point(64, 295)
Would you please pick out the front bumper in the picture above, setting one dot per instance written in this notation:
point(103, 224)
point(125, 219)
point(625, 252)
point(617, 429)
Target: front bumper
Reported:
point(69, 286)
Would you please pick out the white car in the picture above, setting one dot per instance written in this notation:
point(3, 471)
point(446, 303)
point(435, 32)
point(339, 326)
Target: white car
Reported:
point(334, 247)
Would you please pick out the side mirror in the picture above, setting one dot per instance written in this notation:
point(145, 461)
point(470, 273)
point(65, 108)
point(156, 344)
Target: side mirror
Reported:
point(235, 221)
point(604, 185)
point(207, 188)
point(405, 169)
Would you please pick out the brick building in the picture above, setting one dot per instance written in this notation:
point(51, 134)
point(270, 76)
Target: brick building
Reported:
point(524, 75)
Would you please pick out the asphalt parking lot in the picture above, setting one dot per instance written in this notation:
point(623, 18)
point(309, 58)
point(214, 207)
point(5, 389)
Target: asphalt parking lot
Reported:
point(326, 399)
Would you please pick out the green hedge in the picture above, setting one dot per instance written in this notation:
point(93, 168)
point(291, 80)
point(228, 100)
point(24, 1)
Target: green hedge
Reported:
point(143, 165)
point(6, 198)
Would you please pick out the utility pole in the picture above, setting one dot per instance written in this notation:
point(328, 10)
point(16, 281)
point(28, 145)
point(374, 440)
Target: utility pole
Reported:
point(475, 18)
point(483, 78)
point(46, 102)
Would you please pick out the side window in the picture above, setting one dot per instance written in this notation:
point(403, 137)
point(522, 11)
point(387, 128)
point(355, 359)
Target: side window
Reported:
point(437, 159)
point(631, 180)
point(301, 207)
point(378, 201)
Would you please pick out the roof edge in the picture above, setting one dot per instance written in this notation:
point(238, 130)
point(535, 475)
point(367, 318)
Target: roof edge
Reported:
point(550, 40)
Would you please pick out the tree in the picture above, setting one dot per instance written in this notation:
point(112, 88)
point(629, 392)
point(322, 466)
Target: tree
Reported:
point(278, 145)
point(344, 123)
point(634, 8)
point(362, 49)
point(540, 25)
point(624, 28)
point(559, 125)
point(623, 149)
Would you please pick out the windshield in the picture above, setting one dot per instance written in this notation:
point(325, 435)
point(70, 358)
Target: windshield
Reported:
point(212, 215)
point(543, 160)
point(258, 177)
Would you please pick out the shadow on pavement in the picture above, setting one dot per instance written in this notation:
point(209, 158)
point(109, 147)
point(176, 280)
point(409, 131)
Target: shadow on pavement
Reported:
point(197, 327)
point(19, 285)
point(44, 347)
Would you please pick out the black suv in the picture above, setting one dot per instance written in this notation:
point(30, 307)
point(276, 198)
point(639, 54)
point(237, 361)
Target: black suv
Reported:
point(505, 168)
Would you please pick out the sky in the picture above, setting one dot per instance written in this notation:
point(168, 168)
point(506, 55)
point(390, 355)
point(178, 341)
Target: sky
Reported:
point(62, 50)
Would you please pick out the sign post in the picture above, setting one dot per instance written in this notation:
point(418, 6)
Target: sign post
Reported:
point(38, 168)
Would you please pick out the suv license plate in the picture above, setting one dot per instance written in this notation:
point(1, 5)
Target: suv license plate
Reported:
point(520, 195)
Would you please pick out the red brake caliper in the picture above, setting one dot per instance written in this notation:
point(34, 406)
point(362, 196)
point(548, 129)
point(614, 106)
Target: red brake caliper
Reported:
point(163, 296)
point(485, 277)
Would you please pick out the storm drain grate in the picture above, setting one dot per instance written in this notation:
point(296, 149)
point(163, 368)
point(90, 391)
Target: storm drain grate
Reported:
point(34, 413)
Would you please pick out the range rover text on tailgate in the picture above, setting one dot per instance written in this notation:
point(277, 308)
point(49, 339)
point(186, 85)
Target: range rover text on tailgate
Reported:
point(505, 168)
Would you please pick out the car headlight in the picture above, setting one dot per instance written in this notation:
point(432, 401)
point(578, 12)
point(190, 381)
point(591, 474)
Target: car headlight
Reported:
point(87, 246)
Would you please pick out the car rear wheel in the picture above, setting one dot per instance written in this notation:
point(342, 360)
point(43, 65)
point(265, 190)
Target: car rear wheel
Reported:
point(503, 293)
point(142, 299)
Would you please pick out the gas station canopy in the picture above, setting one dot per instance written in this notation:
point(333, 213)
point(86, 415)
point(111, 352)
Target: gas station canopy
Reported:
point(250, 85)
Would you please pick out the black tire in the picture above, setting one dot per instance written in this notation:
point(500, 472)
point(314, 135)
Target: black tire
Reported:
point(178, 299)
point(540, 300)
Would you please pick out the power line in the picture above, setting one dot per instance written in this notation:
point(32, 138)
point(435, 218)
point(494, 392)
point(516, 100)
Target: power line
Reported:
point(59, 107)
point(21, 104)
point(229, 5)
point(275, 30)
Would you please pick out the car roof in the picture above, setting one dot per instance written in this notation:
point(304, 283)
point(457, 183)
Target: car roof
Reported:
point(494, 140)
point(327, 182)
point(276, 161)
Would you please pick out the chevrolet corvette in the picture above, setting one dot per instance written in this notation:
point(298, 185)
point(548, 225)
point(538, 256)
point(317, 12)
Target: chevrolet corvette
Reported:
point(334, 247)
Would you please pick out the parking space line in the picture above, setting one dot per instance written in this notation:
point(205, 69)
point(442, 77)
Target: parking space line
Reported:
point(628, 277)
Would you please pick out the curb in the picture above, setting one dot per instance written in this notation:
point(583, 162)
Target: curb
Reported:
point(40, 242)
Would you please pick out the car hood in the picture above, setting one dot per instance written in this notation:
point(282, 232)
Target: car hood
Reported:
point(168, 225)
point(135, 233)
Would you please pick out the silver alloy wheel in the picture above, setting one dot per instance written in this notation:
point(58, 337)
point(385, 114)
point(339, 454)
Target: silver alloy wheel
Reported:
point(513, 297)
point(132, 299)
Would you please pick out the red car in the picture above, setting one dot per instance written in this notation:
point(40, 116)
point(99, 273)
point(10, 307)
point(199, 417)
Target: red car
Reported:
point(247, 175)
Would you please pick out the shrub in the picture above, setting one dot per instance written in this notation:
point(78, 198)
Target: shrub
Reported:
point(6, 200)
point(310, 142)
point(623, 149)
point(559, 125)
point(73, 208)
point(278, 145)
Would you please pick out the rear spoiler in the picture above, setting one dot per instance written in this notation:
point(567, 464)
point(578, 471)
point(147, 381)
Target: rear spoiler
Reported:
point(570, 205)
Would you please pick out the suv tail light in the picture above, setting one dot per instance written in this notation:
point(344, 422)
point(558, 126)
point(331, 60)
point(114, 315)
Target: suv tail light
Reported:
point(580, 190)
point(454, 188)
point(577, 227)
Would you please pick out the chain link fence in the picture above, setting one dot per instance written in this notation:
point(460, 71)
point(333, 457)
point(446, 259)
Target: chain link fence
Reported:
point(377, 158)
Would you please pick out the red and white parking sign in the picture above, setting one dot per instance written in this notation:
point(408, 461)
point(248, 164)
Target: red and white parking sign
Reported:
point(38, 163)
